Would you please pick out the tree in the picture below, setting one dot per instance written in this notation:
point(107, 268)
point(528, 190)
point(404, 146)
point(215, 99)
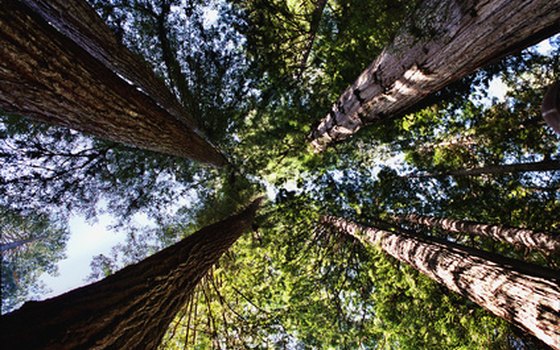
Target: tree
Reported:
point(547, 242)
point(551, 106)
point(131, 308)
point(66, 68)
point(443, 42)
point(526, 295)
point(31, 244)
point(543, 165)
point(291, 283)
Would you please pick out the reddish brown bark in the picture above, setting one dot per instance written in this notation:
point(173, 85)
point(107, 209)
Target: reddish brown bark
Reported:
point(551, 106)
point(130, 309)
point(59, 63)
point(443, 41)
point(526, 295)
point(521, 237)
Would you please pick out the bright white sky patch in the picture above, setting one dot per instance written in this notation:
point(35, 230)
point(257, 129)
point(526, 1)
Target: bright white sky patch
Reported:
point(210, 17)
point(86, 241)
point(497, 89)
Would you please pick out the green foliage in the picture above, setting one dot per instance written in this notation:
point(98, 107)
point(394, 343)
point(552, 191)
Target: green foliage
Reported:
point(31, 245)
point(256, 80)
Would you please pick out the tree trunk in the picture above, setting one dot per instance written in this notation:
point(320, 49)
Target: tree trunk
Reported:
point(313, 29)
point(15, 244)
point(444, 41)
point(526, 295)
point(546, 242)
point(130, 309)
point(551, 106)
point(60, 63)
point(543, 165)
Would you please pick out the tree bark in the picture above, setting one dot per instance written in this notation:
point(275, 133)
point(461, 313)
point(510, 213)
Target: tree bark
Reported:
point(130, 309)
point(526, 295)
point(61, 64)
point(13, 245)
point(551, 106)
point(544, 165)
point(443, 41)
point(546, 242)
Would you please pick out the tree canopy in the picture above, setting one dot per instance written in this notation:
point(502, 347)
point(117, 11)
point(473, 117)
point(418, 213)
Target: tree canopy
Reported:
point(256, 76)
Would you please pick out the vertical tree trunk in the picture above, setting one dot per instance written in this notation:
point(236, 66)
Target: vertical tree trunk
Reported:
point(313, 29)
point(521, 237)
point(543, 165)
point(59, 63)
point(443, 41)
point(526, 295)
point(130, 309)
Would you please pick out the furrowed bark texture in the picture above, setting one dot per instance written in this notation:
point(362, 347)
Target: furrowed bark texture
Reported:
point(59, 63)
point(444, 41)
point(130, 309)
point(544, 241)
point(544, 165)
point(526, 295)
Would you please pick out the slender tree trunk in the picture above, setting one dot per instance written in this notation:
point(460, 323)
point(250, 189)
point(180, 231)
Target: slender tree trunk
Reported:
point(130, 309)
point(544, 241)
point(61, 64)
point(443, 41)
point(464, 141)
point(16, 244)
point(544, 165)
point(313, 29)
point(170, 59)
point(526, 295)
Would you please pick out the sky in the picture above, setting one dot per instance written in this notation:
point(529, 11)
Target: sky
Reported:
point(90, 239)
point(86, 241)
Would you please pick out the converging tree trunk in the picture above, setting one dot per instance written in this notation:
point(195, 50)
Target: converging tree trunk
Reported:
point(521, 237)
point(544, 165)
point(526, 295)
point(61, 64)
point(313, 29)
point(444, 41)
point(130, 309)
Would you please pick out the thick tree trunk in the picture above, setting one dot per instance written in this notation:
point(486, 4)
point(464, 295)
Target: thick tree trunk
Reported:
point(526, 295)
point(59, 63)
point(130, 309)
point(444, 41)
point(544, 165)
point(544, 241)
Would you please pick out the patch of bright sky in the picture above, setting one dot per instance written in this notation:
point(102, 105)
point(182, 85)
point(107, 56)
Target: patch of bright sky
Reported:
point(497, 89)
point(210, 17)
point(86, 241)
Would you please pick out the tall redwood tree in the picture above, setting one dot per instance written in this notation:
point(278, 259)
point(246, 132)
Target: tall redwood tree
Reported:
point(130, 309)
point(526, 295)
point(61, 64)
